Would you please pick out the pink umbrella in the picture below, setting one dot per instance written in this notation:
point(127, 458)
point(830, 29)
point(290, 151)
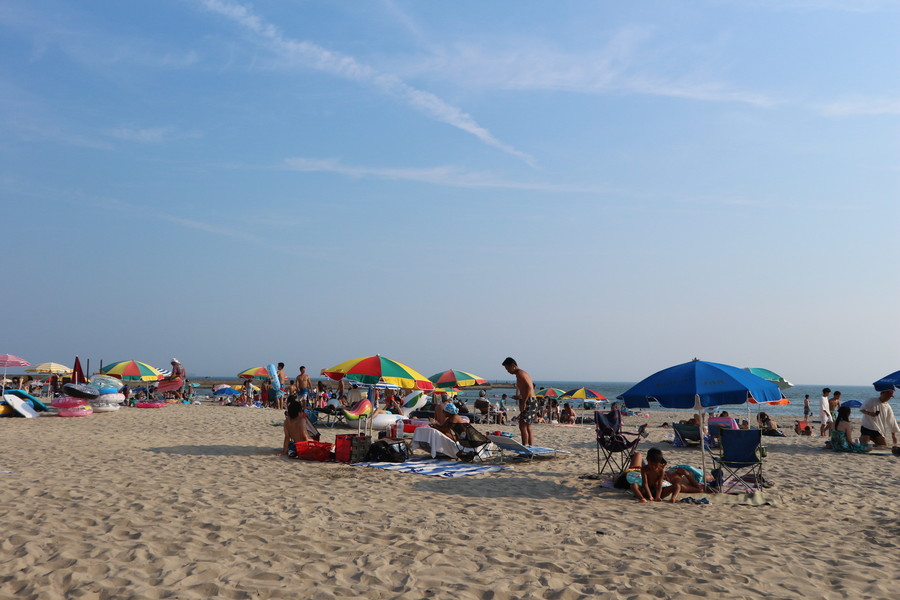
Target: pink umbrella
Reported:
point(10, 360)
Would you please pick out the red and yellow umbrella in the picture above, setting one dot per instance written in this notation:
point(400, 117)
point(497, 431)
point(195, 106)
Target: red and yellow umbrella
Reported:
point(584, 394)
point(454, 378)
point(132, 370)
point(254, 373)
point(372, 370)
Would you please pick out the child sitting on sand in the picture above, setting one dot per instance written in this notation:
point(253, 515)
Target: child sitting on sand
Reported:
point(649, 482)
point(294, 429)
point(568, 414)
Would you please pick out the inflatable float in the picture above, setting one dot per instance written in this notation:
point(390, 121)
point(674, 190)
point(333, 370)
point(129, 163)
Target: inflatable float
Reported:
point(169, 385)
point(106, 384)
point(115, 398)
point(68, 402)
point(383, 421)
point(276, 382)
point(81, 390)
point(150, 404)
point(104, 408)
point(76, 411)
point(34, 402)
point(19, 406)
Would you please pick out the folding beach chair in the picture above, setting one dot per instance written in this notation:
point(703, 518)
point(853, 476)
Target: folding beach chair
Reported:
point(613, 444)
point(470, 439)
point(740, 456)
point(506, 444)
point(686, 435)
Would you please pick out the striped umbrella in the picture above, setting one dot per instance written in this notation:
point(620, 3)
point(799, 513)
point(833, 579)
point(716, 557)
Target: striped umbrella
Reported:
point(376, 369)
point(49, 368)
point(768, 375)
point(551, 392)
point(584, 394)
point(254, 373)
point(131, 370)
point(11, 360)
point(454, 378)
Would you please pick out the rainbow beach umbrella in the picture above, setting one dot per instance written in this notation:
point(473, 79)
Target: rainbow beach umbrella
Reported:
point(551, 392)
point(254, 373)
point(131, 370)
point(372, 370)
point(584, 394)
point(454, 378)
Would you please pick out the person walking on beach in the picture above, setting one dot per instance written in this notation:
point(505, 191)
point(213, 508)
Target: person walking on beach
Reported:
point(178, 370)
point(525, 396)
point(806, 409)
point(825, 412)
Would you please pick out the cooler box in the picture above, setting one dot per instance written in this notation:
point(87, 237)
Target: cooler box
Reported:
point(351, 448)
point(312, 450)
point(411, 426)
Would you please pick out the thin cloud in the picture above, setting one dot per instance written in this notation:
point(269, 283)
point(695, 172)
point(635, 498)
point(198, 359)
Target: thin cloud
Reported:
point(340, 65)
point(441, 175)
point(151, 135)
point(861, 107)
point(616, 68)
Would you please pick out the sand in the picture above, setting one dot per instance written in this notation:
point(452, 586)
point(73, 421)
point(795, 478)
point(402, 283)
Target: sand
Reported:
point(191, 502)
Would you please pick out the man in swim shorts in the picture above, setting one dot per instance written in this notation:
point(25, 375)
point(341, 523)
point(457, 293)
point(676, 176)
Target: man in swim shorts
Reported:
point(178, 370)
point(825, 412)
point(527, 401)
point(303, 384)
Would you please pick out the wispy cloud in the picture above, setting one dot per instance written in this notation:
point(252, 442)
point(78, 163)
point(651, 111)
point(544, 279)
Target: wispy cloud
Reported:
point(440, 175)
point(861, 107)
point(316, 57)
point(620, 66)
point(152, 135)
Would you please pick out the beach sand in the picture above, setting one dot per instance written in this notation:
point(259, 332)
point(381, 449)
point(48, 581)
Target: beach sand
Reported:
point(191, 502)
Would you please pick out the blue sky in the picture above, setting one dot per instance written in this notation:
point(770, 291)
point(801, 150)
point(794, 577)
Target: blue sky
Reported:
point(599, 189)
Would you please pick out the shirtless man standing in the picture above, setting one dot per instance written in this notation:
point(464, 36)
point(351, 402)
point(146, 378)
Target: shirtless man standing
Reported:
point(525, 396)
point(303, 385)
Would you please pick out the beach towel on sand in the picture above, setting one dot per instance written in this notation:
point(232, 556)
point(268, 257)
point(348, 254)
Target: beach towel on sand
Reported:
point(435, 467)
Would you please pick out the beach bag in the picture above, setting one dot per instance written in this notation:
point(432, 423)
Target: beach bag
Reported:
point(382, 451)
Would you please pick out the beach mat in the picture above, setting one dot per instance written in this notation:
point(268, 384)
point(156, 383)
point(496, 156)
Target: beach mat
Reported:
point(434, 467)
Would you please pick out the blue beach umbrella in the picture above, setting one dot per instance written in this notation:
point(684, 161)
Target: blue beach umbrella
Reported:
point(226, 391)
point(852, 403)
point(699, 384)
point(888, 382)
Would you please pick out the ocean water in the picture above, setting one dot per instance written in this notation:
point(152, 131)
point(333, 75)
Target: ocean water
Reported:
point(611, 389)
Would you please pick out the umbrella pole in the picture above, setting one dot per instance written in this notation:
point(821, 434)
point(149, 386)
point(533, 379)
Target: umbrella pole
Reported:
point(700, 412)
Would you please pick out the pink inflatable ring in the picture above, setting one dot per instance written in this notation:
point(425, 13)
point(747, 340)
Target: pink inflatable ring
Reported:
point(76, 411)
point(68, 402)
point(150, 404)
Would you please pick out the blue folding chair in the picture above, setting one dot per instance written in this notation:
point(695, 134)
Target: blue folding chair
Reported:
point(739, 456)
